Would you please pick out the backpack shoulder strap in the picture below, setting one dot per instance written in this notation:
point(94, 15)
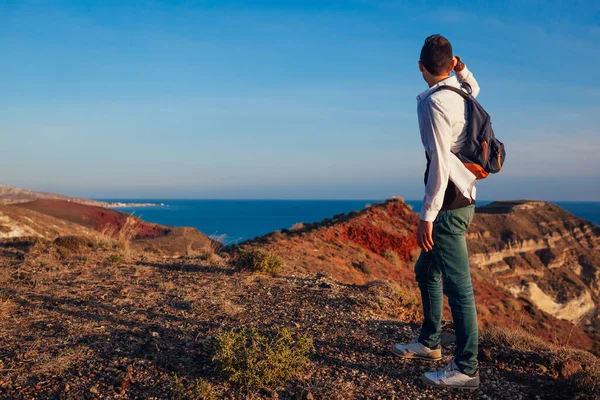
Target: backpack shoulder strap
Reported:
point(456, 90)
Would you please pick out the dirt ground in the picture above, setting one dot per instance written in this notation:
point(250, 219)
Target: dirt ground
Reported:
point(91, 325)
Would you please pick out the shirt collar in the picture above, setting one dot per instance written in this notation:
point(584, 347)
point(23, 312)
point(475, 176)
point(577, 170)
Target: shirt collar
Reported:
point(451, 81)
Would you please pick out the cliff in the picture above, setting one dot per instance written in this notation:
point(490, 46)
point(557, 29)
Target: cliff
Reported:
point(543, 253)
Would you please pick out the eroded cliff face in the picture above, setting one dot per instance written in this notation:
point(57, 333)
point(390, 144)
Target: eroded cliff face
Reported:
point(542, 253)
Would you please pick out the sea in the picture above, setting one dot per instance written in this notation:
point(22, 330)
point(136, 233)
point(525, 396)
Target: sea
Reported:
point(234, 221)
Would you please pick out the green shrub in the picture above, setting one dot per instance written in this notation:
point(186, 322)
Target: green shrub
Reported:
point(114, 259)
point(72, 243)
point(200, 389)
point(259, 260)
point(249, 358)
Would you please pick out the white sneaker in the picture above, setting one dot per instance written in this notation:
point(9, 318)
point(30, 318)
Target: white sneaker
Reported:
point(451, 377)
point(417, 350)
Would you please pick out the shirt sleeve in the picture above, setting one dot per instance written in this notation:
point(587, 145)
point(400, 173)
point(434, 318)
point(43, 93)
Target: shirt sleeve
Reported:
point(465, 76)
point(437, 139)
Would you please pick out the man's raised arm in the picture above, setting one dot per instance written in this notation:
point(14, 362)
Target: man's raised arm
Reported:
point(465, 76)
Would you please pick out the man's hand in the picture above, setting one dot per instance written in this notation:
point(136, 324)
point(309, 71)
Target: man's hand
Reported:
point(425, 235)
point(458, 64)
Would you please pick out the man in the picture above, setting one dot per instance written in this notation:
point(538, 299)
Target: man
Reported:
point(447, 211)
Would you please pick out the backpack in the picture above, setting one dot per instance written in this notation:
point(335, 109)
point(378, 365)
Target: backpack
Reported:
point(482, 153)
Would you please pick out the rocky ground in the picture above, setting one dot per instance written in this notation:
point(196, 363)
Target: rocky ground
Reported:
point(95, 324)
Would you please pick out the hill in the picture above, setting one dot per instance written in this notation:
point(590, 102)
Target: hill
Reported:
point(534, 264)
point(49, 219)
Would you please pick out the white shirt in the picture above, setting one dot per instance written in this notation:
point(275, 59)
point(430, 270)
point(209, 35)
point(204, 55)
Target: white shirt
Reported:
point(442, 125)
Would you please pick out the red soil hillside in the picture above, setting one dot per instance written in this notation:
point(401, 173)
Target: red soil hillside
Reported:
point(75, 218)
point(352, 247)
point(379, 243)
point(93, 217)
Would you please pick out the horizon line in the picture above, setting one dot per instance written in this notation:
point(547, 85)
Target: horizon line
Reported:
point(124, 199)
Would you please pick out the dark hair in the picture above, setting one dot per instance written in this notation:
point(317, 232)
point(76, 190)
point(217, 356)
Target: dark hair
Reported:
point(436, 54)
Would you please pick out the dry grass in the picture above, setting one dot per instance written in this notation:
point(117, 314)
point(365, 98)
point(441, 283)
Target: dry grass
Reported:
point(47, 255)
point(73, 243)
point(512, 304)
point(142, 270)
point(230, 308)
point(589, 378)
point(385, 297)
point(66, 358)
point(297, 227)
point(515, 338)
point(105, 238)
point(363, 267)
point(189, 249)
point(7, 306)
point(5, 276)
point(585, 380)
point(392, 257)
point(127, 233)
point(213, 247)
point(224, 306)
point(166, 286)
point(114, 259)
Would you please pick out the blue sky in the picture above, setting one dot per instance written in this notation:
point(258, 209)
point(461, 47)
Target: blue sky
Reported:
point(287, 99)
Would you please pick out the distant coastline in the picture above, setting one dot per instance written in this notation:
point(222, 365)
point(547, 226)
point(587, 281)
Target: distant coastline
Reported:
point(119, 204)
point(14, 195)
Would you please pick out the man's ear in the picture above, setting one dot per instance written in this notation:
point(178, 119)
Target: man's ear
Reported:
point(421, 66)
point(453, 64)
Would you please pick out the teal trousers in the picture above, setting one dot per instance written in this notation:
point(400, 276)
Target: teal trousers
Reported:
point(447, 266)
